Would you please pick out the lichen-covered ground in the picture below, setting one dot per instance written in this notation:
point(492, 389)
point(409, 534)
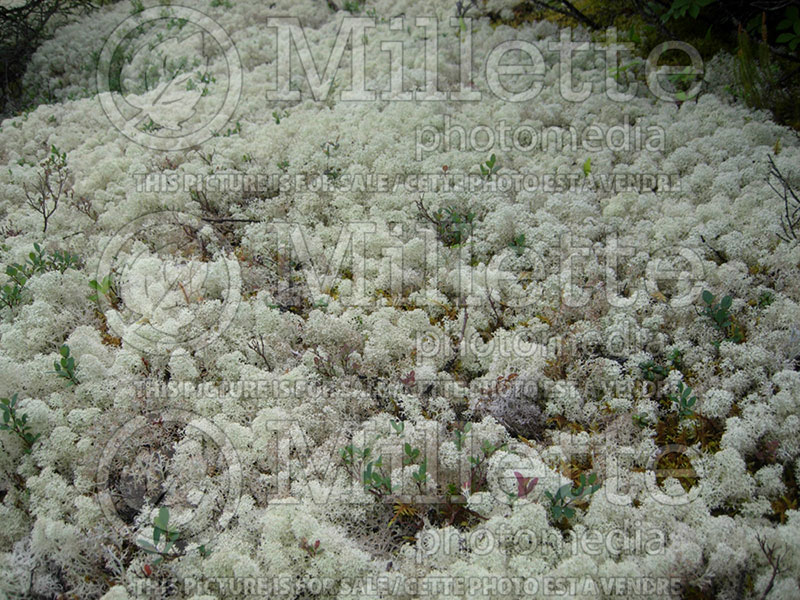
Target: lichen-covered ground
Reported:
point(337, 350)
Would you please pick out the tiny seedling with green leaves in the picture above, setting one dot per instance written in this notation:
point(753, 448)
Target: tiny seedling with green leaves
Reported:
point(164, 536)
point(350, 454)
point(104, 288)
point(719, 313)
point(650, 370)
point(561, 502)
point(721, 318)
point(66, 366)
point(375, 482)
point(411, 454)
point(16, 423)
point(489, 168)
point(461, 435)
point(37, 262)
point(488, 449)
point(684, 400)
point(518, 244)
point(11, 293)
point(421, 476)
point(453, 225)
point(587, 167)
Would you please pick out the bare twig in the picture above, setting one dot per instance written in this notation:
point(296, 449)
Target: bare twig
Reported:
point(53, 181)
point(84, 205)
point(720, 256)
point(230, 220)
point(774, 559)
point(260, 348)
point(791, 217)
point(498, 318)
point(462, 8)
point(424, 212)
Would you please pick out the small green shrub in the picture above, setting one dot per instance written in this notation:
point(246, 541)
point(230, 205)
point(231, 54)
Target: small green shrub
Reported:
point(561, 502)
point(421, 476)
point(650, 370)
point(453, 225)
point(16, 423)
point(37, 262)
point(518, 244)
point(11, 293)
point(104, 288)
point(353, 6)
point(461, 435)
point(684, 400)
point(721, 318)
point(679, 8)
point(411, 454)
point(488, 168)
point(375, 482)
point(66, 367)
point(161, 531)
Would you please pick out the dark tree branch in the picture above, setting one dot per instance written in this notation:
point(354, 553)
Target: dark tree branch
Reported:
point(568, 10)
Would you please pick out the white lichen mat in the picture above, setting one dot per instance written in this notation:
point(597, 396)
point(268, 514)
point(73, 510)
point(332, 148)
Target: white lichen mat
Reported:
point(293, 339)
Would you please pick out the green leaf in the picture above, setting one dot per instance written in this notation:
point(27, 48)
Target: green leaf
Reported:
point(162, 520)
point(587, 167)
point(708, 297)
point(147, 546)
